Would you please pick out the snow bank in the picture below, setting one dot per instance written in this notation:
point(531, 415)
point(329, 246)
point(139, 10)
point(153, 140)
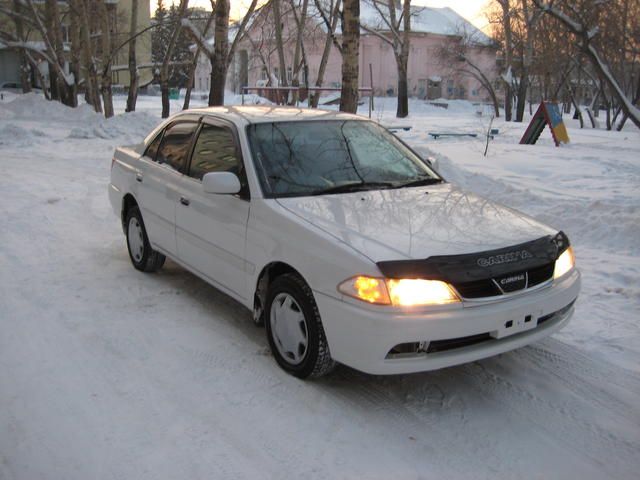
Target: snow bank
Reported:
point(131, 126)
point(83, 122)
point(14, 135)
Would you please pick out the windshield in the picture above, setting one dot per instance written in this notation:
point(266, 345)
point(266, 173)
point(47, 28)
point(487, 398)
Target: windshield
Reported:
point(326, 157)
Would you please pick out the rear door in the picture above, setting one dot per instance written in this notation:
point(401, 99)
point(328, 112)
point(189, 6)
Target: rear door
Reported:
point(161, 168)
point(211, 229)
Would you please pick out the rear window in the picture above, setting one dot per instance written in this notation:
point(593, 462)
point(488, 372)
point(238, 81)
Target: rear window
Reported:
point(174, 148)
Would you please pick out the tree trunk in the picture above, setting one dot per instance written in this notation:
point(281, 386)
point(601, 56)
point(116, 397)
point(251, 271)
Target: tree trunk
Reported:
point(277, 20)
point(402, 62)
point(65, 90)
point(133, 68)
point(403, 90)
point(522, 96)
point(164, 70)
point(506, 24)
point(192, 79)
point(105, 84)
point(25, 81)
point(350, 56)
point(91, 83)
point(325, 53)
point(194, 64)
point(76, 53)
point(51, 25)
point(299, 46)
point(219, 63)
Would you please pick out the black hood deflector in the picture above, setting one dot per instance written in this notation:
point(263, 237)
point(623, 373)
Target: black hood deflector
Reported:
point(481, 265)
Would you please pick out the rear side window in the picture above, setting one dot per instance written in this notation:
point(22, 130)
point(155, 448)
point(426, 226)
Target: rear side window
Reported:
point(176, 141)
point(152, 149)
point(214, 151)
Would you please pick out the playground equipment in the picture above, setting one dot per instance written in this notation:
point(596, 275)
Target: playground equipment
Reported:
point(547, 114)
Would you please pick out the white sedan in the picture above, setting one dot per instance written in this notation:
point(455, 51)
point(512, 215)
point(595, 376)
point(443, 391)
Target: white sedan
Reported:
point(339, 238)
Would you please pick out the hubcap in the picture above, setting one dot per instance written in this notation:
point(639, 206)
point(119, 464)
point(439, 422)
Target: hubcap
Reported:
point(289, 328)
point(135, 239)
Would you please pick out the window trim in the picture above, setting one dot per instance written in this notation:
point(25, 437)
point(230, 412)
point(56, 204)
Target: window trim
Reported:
point(160, 135)
point(225, 124)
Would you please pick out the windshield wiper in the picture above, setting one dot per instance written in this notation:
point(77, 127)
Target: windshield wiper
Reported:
point(354, 187)
point(419, 182)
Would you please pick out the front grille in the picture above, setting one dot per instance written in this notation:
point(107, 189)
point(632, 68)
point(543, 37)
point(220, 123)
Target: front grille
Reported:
point(488, 288)
point(541, 274)
point(478, 289)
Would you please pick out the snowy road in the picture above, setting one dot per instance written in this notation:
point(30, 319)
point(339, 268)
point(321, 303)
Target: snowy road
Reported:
point(106, 372)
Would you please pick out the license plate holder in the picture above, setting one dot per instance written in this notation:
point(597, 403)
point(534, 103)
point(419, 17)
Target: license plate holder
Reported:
point(518, 324)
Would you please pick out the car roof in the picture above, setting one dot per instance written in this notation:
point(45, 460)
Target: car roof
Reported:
point(268, 114)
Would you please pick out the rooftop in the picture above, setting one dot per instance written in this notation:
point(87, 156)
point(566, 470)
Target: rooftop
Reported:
point(266, 114)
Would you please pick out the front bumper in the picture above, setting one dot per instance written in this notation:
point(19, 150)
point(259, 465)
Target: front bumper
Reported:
point(362, 336)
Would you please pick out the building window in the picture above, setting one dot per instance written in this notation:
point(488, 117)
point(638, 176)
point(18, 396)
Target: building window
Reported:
point(289, 75)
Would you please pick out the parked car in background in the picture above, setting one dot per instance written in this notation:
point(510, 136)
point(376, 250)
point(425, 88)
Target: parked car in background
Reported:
point(346, 244)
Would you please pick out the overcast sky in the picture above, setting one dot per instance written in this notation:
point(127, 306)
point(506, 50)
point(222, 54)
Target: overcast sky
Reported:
point(470, 9)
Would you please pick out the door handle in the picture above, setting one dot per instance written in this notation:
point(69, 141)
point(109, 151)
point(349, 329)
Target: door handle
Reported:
point(139, 177)
point(185, 201)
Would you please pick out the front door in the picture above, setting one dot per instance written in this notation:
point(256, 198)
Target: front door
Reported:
point(211, 229)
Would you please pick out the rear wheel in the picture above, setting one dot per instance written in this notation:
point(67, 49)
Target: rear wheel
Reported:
point(143, 257)
point(294, 328)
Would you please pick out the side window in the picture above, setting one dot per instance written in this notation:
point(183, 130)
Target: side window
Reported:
point(215, 151)
point(152, 149)
point(174, 148)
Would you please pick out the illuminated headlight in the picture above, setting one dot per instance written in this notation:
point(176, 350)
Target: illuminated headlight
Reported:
point(399, 292)
point(367, 289)
point(564, 264)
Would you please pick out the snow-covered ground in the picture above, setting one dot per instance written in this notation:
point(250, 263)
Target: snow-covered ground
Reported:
point(106, 372)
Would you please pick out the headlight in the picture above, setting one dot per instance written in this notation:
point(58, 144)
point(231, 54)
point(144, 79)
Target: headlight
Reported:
point(565, 262)
point(407, 292)
point(398, 292)
point(368, 289)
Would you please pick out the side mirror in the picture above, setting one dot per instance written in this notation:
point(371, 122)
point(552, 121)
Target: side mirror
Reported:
point(221, 183)
point(432, 162)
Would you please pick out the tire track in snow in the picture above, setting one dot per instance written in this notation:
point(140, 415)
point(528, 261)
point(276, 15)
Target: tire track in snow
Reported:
point(563, 422)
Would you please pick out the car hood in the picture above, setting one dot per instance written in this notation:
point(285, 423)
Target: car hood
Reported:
point(417, 223)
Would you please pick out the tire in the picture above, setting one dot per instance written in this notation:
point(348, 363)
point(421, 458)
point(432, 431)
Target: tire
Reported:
point(143, 257)
point(292, 319)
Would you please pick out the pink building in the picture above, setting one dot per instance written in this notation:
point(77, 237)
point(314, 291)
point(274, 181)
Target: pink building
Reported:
point(430, 75)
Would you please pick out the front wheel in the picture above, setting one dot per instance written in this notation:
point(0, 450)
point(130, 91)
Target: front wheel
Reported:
point(143, 257)
point(294, 328)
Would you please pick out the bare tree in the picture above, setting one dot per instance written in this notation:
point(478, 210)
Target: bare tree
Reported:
point(221, 54)
point(395, 30)
point(584, 36)
point(24, 63)
point(196, 56)
point(62, 83)
point(350, 51)
point(277, 19)
point(133, 68)
point(330, 19)
point(105, 10)
point(458, 54)
point(164, 69)
point(299, 56)
point(508, 58)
